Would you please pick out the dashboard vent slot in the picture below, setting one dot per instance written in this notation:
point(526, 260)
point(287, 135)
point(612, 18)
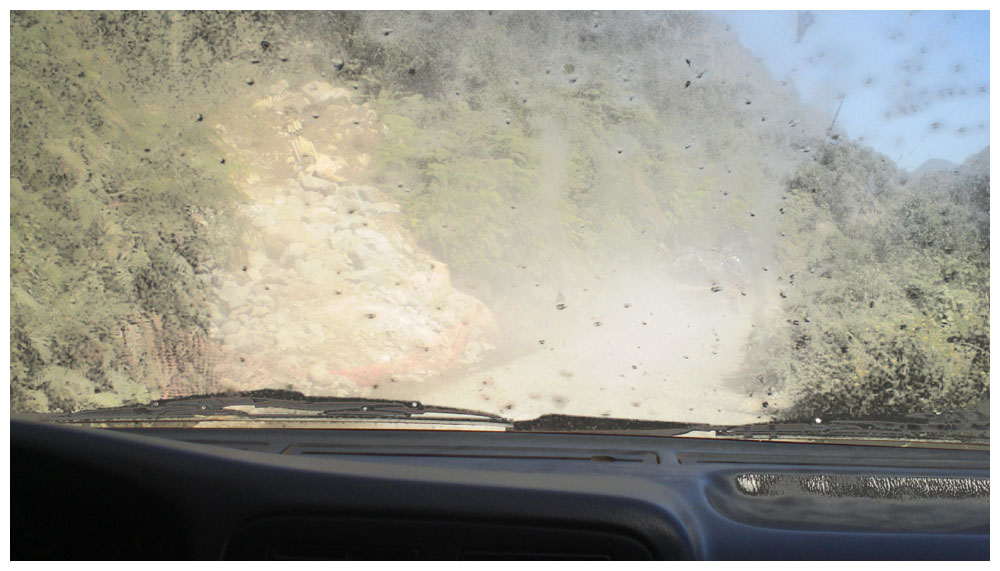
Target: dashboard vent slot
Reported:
point(831, 460)
point(253, 446)
point(493, 453)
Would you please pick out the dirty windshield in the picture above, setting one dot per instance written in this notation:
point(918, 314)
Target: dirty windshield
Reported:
point(715, 217)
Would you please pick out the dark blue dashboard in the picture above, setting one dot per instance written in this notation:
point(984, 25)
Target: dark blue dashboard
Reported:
point(83, 493)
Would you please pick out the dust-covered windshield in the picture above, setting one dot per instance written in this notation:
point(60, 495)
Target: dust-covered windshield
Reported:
point(694, 217)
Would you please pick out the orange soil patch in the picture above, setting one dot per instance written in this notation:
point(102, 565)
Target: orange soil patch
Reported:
point(440, 355)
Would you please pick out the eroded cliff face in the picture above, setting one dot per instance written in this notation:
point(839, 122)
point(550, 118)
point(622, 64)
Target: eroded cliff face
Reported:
point(330, 295)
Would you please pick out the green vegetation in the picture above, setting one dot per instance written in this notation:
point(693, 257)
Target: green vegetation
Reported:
point(118, 211)
point(887, 308)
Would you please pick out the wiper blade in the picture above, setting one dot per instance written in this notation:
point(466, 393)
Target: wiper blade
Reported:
point(963, 427)
point(605, 425)
point(279, 404)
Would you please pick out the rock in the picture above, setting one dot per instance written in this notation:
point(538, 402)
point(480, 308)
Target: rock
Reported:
point(358, 222)
point(216, 316)
point(311, 197)
point(229, 327)
point(233, 295)
point(384, 208)
point(278, 88)
point(326, 168)
point(319, 215)
point(260, 221)
point(274, 244)
point(258, 258)
point(287, 337)
point(314, 272)
point(321, 91)
point(318, 374)
point(229, 385)
point(348, 193)
point(293, 252)
point(295, 102)
point(261, 310)
point(293, 201)
point(376, 241)
point(368, 193)
point(297, 231)
point(311, 182)
point(343, 224)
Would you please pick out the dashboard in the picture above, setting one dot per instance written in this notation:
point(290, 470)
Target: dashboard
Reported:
point(176, 493)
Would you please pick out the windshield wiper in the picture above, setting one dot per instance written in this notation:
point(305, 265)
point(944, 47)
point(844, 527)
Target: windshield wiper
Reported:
point(278, 404)
point(268, 404)
point(962, 427)
point(605, 425)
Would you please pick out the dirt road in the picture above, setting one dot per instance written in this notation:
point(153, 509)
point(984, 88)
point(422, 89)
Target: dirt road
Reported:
point(658, 353)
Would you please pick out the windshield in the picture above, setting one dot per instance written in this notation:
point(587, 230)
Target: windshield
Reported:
point(721, 218)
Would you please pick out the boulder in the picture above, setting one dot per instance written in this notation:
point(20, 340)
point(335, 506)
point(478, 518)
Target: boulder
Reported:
point(321, 91)
point(292, 103)
point(293, 252)
point(233, 295)
point(318, 374)
point(319, 215)
point(326, 168)
point(311, 198)
point(278, 88)
point(311, 182)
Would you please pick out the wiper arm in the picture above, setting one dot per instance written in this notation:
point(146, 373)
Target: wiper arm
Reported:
point(274, 404)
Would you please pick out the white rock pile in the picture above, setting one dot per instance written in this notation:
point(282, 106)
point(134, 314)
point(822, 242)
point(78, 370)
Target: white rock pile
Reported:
point(334, 297)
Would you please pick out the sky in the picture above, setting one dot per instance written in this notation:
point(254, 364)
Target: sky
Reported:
point(915, 85)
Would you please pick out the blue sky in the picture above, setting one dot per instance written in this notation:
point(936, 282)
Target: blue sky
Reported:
point(915, 84)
